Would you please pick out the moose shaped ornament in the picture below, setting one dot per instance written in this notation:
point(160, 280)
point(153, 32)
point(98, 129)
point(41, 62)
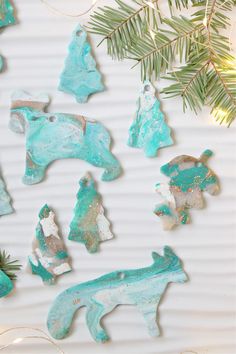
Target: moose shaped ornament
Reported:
point(189, 177)
point(58, 136)
point(142, 287)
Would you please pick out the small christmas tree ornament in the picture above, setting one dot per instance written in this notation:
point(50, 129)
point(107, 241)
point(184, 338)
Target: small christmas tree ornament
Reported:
point(149, 130)
point(50, 137)
point(6, 13)
point(7, 273)
point(80, 76)
point(189, 177)
point(142, 287)
point(89, 225)
point(5, 200)
point(49, 258)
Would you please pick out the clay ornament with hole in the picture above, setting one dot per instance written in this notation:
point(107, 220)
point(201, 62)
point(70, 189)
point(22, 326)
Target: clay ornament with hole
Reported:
point(89, 225)
point(50, 137)
point(6, 13)
point(189, 178)
point(149, 130)
point(142, 287)
point(80, 76)
point(5, 200)
point(49, 258)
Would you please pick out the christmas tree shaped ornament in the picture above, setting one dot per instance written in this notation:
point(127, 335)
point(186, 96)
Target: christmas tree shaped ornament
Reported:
point(7, 273)
point(89, 225)
point(5, 200)
point(49, 258)
point(6, 13)
point(80, 76)
point(149, 130)
point(189, 178)
point(53, 136)
point(142, 287)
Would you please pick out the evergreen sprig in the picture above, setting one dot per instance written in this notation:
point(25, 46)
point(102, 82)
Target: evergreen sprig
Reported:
point(7, 266)
point(207, 73)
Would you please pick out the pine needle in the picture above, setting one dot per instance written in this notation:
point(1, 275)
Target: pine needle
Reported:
point(7, 266)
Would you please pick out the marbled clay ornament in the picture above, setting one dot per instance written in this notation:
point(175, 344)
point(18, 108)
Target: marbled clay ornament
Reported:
point(6, 13)
point(49, 258)
point(80, 76)
point(50, 137)
point(89, 225)
point(149, 130)
point(189, 178)
point(142, 287)
point(5, 200)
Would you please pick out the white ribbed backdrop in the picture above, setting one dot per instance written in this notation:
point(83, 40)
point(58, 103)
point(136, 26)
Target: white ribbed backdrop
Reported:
point(198, 315)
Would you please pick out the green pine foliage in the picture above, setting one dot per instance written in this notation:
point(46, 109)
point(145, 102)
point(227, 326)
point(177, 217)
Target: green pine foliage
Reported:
point(7, 266)
point(207, 71)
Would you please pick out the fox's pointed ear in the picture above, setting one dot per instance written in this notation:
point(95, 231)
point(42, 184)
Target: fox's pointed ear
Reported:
point(168, 252)
point(155, 256)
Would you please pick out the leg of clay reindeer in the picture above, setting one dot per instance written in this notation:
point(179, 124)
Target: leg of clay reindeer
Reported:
point(149, 312)
point(94, 315)
point(104, 158)
point(33, 172)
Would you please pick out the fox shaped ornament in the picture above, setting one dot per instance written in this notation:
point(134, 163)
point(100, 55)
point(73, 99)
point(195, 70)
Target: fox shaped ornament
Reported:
point(142, 287)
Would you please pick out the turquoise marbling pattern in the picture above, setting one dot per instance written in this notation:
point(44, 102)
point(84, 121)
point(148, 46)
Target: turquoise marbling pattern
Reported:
point(89, 225)
point(49, 258)
point(80, 76)
point(5, 200)
point(189, 177)
point(6, 13)
point(6, 285)
point(142, 287)
point(58, 136)
point(149, 129)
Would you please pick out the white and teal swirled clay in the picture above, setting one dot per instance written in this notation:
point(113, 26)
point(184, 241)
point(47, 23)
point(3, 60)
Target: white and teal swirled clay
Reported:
point(5, 200)
point(52, 136)
point(189, 178)
point(142, 287)
point(89, 225)
point(49, 258)
point(80, 76)
point(6, 284)
point(149, 130)
point(6, 13)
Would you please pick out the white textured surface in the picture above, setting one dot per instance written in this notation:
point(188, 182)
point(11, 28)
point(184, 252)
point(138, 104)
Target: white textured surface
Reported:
point(199, 315)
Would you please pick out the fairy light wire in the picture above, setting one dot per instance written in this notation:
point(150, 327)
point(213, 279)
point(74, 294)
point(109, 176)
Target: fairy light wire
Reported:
point(62, 13)
point(18, 340)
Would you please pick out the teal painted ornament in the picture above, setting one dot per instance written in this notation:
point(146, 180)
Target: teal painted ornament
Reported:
point(5, 200)
point(89, 225)
point(6, 285)
point(149, 130)
point(1, 63)
point(7, 273)
point(53, 136)
point(6, 13)
point(49, 258)
point(189, 178)
point(80, 76)
point(142, 287)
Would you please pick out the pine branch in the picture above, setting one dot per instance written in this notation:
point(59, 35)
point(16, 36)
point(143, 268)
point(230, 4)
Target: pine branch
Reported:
point(157, 52)
point(7, 266)
point(120, 25)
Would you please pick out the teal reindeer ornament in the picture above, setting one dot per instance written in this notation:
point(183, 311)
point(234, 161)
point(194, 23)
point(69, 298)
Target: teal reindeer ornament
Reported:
point(149, 130)
point(142, 287)
point(189, 178)
point(52, 136)
point(80, 76)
